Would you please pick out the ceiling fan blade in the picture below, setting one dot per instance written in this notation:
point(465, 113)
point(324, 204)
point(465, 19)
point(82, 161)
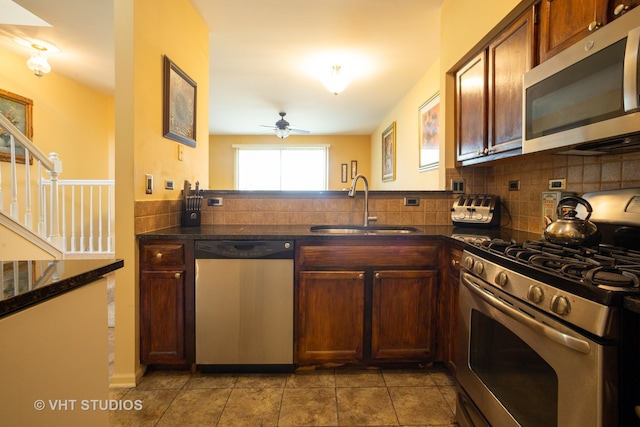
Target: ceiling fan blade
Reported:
point(296, 130)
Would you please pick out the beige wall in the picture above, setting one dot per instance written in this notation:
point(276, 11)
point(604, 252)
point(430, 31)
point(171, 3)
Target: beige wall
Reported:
point(68, 118)
point(147, 30)
point(56, 350)
point(344, 149)
point(407, 119)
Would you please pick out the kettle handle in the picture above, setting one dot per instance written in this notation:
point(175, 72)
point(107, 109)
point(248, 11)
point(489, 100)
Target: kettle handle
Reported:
point(578, 200)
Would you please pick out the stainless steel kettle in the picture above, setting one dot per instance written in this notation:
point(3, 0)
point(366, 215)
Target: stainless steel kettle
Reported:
point(569, 230)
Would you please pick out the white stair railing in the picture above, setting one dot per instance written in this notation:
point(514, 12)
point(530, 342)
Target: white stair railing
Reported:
point(86, 215)
point(57, 208)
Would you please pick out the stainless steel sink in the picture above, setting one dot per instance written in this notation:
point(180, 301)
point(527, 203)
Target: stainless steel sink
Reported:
point(359, 229)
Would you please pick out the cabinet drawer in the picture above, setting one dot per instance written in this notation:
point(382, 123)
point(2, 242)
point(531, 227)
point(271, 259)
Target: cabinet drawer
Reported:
point(360, 256)
point(162, 256)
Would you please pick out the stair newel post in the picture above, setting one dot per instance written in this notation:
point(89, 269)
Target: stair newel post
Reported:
point(13, 207)
point(56, 169)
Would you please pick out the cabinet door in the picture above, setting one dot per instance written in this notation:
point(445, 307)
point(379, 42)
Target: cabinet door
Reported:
point(471, 109)
point(617, 8)
point(564, 22)
point(162, 317)
point(510, 56)
point(330, 316)
point(403, 317)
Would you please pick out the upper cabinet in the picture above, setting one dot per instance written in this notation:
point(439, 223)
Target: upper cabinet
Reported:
point(489, 95)
point(565, 22)
point(619, 7)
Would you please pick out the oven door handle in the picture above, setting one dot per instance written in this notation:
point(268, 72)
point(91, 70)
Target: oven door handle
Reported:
point(554, 335)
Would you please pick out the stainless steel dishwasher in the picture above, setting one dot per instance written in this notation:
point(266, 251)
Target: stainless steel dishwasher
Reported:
point(244, 306)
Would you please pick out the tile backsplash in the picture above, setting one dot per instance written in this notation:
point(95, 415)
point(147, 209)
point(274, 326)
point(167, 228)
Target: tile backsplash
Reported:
point(582, 174)
point(522, 208)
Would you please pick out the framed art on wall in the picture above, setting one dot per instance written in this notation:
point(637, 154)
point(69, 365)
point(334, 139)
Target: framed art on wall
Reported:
point(389, 153)
point(429, 139)
point(179, 105)
point(18, 110)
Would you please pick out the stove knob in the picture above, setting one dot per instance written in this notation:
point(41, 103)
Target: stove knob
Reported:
point(478, 267)
point(560, 305)
point(468, 262)
point(535, 294)
point(501, 279)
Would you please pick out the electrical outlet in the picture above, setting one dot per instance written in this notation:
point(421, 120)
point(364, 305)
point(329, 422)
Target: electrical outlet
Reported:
point(411, 201)
point(514, 185)
point(168, 184)
point(149, 183)
point(457, 185)
point(215, 201)
point(557, 184)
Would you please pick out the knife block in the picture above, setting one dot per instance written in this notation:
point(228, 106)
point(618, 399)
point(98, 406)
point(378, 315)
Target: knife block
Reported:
point(190, 218)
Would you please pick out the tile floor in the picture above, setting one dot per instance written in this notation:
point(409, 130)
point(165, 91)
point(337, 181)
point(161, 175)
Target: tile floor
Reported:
point(340, 397)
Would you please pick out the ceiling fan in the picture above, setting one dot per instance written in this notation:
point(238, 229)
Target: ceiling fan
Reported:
point(282, 128)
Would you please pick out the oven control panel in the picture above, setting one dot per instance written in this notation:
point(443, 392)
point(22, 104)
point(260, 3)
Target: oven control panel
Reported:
point(581, 312)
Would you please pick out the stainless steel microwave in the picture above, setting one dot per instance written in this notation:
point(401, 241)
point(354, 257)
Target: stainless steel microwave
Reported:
point(585, 100)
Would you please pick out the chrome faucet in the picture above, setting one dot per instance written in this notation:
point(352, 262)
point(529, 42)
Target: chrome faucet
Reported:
point(352, 193)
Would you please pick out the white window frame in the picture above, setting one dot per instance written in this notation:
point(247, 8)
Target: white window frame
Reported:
point(281, 148)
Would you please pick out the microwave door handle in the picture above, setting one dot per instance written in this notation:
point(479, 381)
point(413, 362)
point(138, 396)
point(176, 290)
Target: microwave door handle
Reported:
point(556, 336)
point(630, 84)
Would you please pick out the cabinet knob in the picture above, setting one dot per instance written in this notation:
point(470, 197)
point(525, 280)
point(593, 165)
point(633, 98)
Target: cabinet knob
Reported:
point(159, 255)
point(455, 263)
point(620, 9)
point(177, 275)
point(594, 25)
point(377, 275)
point(361, 276)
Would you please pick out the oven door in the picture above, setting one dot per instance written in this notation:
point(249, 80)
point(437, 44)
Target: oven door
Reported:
point(520, 367)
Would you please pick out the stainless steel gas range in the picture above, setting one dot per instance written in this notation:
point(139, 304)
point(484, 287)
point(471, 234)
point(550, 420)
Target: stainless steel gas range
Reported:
point(543, 338)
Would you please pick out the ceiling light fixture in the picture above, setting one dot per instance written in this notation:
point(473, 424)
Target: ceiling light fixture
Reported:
point(336, 81)
point(38, 61)
point(282, 133)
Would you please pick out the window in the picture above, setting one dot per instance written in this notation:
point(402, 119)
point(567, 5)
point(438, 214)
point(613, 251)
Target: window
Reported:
point(277, 167)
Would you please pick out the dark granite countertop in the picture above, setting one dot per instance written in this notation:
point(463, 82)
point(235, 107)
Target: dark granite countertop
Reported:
point(49, 279)
point(292, 232)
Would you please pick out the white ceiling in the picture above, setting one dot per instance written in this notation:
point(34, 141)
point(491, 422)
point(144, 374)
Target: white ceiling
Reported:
point(268, 56)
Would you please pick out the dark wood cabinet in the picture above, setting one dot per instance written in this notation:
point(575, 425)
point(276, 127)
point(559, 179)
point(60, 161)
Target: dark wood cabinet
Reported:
point(511, 55)
point(448, 306)
point(489, 95)
point(166, 303)
point(618, 8)
point(565, 22)
point(403, 317)
point(471, 109)
point(365, 302)
point(331, 316)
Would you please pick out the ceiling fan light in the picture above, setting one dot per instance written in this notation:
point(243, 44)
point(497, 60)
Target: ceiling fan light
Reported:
point(38, 61)
point(336, 81)
point(282, 133)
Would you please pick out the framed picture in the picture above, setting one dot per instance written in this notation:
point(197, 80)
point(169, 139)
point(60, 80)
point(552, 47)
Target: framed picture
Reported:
point(389, 153)
point(344, 173)
point(179, 105)
point(354, 168)
point(18, 110)
point(429, 140)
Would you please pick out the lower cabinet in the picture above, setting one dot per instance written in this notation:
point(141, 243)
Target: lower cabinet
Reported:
point(403, 316)
point(331, 316)
point(383, 309)
point(166, 303)
point(448, 307)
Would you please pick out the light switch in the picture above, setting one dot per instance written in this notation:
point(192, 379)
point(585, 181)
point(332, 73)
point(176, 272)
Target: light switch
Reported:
point(149, 183)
